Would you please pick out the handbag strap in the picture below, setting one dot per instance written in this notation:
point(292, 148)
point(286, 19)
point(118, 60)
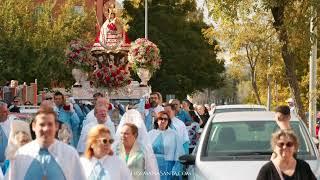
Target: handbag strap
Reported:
point(278, 170)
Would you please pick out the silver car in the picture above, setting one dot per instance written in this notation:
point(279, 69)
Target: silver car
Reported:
point(236, 145)
point(238, 108)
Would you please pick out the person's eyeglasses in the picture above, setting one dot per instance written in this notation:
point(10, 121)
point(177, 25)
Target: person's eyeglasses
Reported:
point(48, 98)
point(105, 141)
point(288, 144)
point(163, 119)
point(16, 101)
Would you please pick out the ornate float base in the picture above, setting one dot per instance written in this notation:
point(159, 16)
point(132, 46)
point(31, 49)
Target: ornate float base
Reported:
point(132, 91)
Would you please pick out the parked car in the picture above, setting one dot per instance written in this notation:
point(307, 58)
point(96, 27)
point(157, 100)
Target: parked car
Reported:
point(236, 145)
point(26, 113)
point(238, 108)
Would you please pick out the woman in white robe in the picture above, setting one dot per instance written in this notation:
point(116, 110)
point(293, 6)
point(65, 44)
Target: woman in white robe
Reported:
point(98, 163)
point(138, 155)
point(167, 147)
point(134, 117)
point(20, 135)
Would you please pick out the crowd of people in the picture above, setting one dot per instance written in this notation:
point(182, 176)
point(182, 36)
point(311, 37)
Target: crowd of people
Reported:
point(66, 141)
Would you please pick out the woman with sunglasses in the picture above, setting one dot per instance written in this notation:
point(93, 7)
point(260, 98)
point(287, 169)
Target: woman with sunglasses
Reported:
point(167, 147)
point(284, 166)
point(98, 163)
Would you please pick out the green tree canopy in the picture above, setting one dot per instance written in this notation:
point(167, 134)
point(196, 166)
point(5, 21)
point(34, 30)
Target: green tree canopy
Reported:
point(189, 62)
point(34, 37)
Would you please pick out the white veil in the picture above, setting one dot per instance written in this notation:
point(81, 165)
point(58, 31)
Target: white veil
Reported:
point(133, 116)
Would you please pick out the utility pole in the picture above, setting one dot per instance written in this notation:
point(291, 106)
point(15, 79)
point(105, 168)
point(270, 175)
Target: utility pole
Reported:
point(269, 97)
point(313, 74)
point(146, 19)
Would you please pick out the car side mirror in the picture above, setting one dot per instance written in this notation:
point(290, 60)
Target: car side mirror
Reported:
point(187, 159)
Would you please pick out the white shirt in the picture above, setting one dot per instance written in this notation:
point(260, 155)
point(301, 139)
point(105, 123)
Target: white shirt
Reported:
point(85, 130)
point(115, 167)
point(89, 118)
point(65, 155)
point(156, 109)
point(181, 129)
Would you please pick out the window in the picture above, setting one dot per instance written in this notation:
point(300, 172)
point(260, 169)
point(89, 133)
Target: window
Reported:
point(249, 138)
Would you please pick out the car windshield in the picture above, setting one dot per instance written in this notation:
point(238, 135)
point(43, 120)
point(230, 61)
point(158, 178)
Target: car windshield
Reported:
point(237, 110)
point(248, 140)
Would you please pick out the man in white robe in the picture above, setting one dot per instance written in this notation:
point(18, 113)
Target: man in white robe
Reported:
point(46, 157)
point(90, 117)
point(102, 117)
point(179, 127)
point(151, 113)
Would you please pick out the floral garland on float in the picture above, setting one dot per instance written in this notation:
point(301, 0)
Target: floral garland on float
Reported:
point(111, 76)
point(78, 57)
point(144, 57)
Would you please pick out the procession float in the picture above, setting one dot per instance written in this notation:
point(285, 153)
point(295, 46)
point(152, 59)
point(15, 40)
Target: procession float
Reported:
point(110, 59)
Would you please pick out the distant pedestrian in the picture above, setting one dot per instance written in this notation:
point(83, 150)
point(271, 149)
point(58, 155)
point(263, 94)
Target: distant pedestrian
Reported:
point(203, 113)
point(15, 105)
point(291, 105)
point(283, 116)
point(181, 114)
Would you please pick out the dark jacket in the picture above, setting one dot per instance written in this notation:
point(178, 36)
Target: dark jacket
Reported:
point(302, 172)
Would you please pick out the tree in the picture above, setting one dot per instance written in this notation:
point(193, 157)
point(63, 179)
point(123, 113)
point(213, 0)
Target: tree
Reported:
point(291, 21)
point(189, 62)
point(34, 37)
point(248, 43)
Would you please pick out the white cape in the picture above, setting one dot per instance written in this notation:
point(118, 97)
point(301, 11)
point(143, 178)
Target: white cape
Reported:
point(173, 146)
point(65, 155)
point(114, 167)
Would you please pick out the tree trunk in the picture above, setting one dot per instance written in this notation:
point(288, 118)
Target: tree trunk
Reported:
point(255, 87)
point(289, 58)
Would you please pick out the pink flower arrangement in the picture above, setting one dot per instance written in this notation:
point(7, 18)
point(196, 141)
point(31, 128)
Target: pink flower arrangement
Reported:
point(77, 55)
point(111, 76)
point(144, 54)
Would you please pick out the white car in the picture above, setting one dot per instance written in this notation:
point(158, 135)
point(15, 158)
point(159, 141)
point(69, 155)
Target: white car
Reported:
point(238, 108)
point(236, 145)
